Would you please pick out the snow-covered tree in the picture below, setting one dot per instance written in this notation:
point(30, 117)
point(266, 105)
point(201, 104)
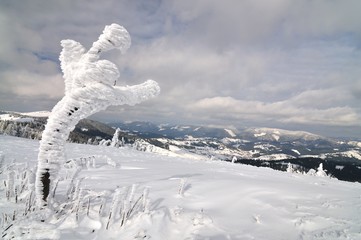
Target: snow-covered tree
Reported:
point(320, 171)
point(115, 141)
point(105, 142)
point(89, 88)
point(289, 168)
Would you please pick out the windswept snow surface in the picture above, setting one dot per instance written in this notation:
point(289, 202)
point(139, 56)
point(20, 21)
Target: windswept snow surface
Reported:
point(197, 199)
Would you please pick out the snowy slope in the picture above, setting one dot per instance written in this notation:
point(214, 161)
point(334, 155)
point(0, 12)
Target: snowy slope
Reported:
point(23, 117)
point(230, 132)
point(276, 134)
point(37, 114)
point(195, 199)
point(15, 118)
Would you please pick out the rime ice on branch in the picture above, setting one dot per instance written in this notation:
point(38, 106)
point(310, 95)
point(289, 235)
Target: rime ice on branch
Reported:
point(89, 88)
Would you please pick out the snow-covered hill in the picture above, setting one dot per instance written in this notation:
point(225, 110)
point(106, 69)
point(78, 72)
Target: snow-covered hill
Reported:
point(275, 134)
point(187, 199)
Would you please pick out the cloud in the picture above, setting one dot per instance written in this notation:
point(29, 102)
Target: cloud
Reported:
point(321, 98)
point(356, 91)
point(226, 108)
point(23, 83)
point(266, 62)
point(233, 22)
point(323, 18)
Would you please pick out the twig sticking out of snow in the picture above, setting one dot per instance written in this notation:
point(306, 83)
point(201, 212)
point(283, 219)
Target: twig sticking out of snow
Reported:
point(10, 185)
point(115, 205)
point(18, 190)
point(71, 186)
point(82, 162)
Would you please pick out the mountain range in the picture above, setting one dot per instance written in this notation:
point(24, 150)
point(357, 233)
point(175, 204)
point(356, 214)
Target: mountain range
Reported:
point(263, 147)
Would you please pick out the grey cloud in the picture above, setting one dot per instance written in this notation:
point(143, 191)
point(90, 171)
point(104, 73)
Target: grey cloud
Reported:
point(23, 83)
point(356, 91)
point(233, 22)
point(227, 107)
point(321, 98)
point(324, 18)
point(260, 62)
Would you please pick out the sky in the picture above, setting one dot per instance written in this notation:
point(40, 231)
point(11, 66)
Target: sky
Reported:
point(235, 63)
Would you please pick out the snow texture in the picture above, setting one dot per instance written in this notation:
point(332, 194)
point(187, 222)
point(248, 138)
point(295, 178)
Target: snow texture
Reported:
point(89, 88)
point(219, 200)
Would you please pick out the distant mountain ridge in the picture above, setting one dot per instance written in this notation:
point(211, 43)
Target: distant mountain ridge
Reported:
point(147, 129)
point(267, 147)
point(274, 134)
point(176, 131)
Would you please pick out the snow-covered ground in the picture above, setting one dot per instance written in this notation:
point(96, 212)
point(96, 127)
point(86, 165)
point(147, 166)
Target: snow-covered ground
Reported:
point(190, 199)
point(10, 117)
point(19, 117)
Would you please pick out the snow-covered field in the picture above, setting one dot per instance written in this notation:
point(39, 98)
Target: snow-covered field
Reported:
point(188, 199)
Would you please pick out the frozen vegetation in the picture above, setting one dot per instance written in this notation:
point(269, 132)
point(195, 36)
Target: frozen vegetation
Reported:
point(89, 88)
point(122, 193)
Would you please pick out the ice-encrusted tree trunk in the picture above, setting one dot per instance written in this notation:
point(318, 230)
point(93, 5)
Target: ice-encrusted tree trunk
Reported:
point(89, 88)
